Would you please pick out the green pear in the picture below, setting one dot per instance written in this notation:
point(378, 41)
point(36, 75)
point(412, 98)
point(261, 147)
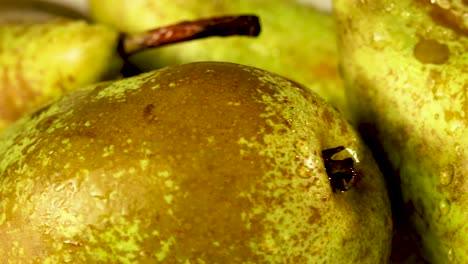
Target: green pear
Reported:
point(206, 162)
point(405, 66)
point(40, 61)
point(297, 42)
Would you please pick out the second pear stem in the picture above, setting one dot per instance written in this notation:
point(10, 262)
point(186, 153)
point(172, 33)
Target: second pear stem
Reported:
point(241, 25)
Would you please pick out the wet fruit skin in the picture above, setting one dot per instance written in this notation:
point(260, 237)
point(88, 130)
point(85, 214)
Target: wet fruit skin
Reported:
point(208, 162)
point(405, 65)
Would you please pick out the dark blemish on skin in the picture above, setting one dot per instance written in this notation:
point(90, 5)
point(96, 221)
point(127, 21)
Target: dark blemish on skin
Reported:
point(148, 111)
point(341, 173)
point(430, 51)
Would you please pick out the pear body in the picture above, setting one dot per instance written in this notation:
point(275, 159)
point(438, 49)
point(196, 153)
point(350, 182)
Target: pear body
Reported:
point(39, 61)
point(296, 41)
point(406, 69)
point(209, 162)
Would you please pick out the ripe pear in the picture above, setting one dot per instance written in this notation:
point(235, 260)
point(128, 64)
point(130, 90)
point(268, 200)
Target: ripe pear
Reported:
point(40, 61)
point(297, 41)
point(206, 162)
point(405, 65)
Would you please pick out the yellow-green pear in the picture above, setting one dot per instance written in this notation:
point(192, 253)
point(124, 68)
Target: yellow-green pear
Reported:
point(405, 64)
point(205, 162)
point(40, 61)
point(297, 41)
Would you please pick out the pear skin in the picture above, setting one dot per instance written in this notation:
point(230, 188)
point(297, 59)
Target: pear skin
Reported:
point(206, 162)
point(297, 42)
point(405, 65)
point(40, 61)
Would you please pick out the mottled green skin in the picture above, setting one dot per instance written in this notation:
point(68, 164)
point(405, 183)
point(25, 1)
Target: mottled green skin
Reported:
point(406, 70)
point(39, 61)
point(199, 163)
point(296, 41)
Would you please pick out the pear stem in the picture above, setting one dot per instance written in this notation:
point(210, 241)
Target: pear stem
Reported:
point(341, 173)
point(241, 25)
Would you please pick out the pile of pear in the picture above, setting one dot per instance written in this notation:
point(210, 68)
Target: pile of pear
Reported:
point(296, 146)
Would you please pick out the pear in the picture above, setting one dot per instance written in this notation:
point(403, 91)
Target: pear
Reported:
point(297, 41)
point(40, 61)
point(405, 67)
point(206, 162)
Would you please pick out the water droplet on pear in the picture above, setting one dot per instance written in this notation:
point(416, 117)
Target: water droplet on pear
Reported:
point(446, 174)
point(451, 256)
point(444, 207)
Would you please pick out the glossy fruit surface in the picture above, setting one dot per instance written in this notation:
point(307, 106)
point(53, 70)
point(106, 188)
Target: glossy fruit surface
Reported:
point(406, 70)
point(203, 162)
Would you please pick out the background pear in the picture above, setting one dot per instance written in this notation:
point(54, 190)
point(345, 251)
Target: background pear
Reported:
point(297, 42)
point(406, 70)
point(204, 162)
point(42, 60)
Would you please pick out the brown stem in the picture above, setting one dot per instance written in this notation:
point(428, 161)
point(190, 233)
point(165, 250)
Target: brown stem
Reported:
point(242, 25)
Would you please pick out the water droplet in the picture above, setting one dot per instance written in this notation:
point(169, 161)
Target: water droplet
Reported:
point(98, 196)
point(456, 126)
point(451, 255)
point(446, 174)
point(444, 207)
point(353, 154)
point(377, 37)
point(458, 150)
point(445, 4)
point(438, 92)
point(72, 243)
point(124, 211)
point(59, 187)
point(304, 172)
point(430, 51)
point(390, 7)
point(317, 196)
